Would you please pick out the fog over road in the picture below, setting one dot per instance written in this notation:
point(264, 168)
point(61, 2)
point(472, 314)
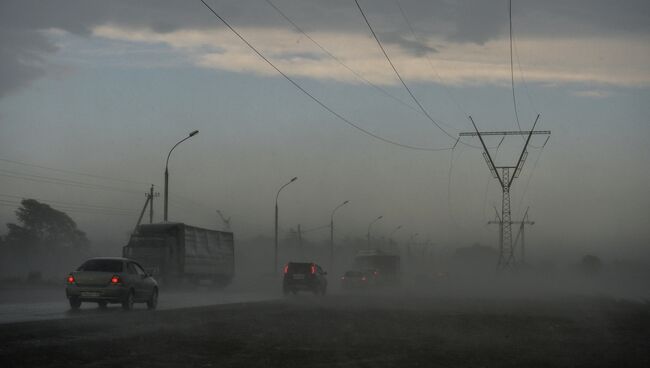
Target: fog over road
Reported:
point(46, 303)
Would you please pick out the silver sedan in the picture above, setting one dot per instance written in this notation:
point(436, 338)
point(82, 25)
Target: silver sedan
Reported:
point(111, 280)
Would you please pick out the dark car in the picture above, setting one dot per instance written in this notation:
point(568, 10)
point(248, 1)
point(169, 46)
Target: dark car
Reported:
point(304, 277)
point(357, 280)
point(111, 280)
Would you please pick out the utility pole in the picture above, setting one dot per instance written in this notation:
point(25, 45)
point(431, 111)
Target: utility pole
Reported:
point(148, 202)
point(152, 195)
point(226, 221)
point(505, 175)
point(299, 239)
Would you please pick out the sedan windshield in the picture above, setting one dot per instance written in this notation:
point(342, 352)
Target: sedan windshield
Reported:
point(102, 265)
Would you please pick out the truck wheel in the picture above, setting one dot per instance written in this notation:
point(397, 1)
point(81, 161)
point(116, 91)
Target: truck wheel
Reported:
point(127, 304)
point(75, 303)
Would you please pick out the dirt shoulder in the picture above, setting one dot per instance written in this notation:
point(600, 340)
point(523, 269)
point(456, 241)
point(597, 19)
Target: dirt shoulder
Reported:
point(348, 331)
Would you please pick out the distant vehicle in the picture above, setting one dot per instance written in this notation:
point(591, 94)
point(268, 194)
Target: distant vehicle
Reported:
point(385, 267)
point(304, 277)
point(356, 280)
point(175, 252)
point(111, 280)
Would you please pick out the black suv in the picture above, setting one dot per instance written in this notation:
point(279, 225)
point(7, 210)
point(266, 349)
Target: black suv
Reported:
point(304, 276)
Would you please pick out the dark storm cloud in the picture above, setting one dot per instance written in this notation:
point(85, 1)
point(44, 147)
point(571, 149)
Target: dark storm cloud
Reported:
point(21, 58)
point(23, 48)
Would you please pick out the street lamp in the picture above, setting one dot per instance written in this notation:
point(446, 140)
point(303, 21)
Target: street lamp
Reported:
point(373, 221)
point(275, 257)
point(192, 134)
point(408, 245)
point(332, 234)
point(390, 237)
point(393, 232)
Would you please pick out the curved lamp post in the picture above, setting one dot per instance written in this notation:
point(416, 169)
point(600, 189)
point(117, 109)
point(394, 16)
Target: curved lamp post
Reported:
point(408, 245)
point(275, 257)
point(390, 237)
point(332, 234)
point(192, 134)
point(369, 226)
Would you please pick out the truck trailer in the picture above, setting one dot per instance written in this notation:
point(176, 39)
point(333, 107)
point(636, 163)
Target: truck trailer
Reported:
point(177, 252)
point(385, 267)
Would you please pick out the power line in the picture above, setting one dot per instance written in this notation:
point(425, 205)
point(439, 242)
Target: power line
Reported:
point(523, 79)
point(451, 212)
point(71, 183)
point(73, 172)
point(487, 183)
point(521, 73)
point(323, 105)
point(426, 113)
point(80, 205)
point(512, 73)
point(440, 79)
point(523, 193)
point(316, 228)
point(338, 60)
point(9, 203)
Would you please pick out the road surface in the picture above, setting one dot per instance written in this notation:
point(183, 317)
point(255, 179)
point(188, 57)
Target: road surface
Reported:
point(29, 303)
point(345, 331)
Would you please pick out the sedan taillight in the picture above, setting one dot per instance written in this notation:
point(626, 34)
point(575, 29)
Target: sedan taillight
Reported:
point(115, 280)
point(70, 279)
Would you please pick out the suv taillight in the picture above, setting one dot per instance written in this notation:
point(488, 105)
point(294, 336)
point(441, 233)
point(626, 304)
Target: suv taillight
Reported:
point(286, 269)
point(115, 280)
point(313, 269)
point(70, 279)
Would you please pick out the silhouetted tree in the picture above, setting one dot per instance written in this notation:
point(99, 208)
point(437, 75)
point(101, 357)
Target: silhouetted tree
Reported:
point(41, 227)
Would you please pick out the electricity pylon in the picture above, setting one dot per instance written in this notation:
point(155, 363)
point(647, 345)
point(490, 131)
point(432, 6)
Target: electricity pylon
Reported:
point(521, 233)
point(505, 175)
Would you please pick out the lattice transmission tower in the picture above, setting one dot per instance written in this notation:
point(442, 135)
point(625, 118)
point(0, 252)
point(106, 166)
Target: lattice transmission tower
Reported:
point(505, 175)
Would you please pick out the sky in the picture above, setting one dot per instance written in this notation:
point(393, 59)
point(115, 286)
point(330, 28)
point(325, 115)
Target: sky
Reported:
point(93, 95)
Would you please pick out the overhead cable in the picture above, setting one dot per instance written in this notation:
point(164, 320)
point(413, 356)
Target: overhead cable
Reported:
point(338, 60)
point(73, 172)
point(312, 97)
point(406, 87)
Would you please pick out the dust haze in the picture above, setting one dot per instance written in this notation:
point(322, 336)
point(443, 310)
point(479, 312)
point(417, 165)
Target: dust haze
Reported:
point(352, 183)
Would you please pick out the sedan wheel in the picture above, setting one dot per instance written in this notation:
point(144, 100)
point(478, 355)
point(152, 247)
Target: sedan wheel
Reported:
point(74, 303)
point(152, 303)
point(127, 304)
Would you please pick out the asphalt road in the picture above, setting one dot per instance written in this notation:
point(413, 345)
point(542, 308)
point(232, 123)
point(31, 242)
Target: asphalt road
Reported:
point(345, 331)
point(30, 303)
